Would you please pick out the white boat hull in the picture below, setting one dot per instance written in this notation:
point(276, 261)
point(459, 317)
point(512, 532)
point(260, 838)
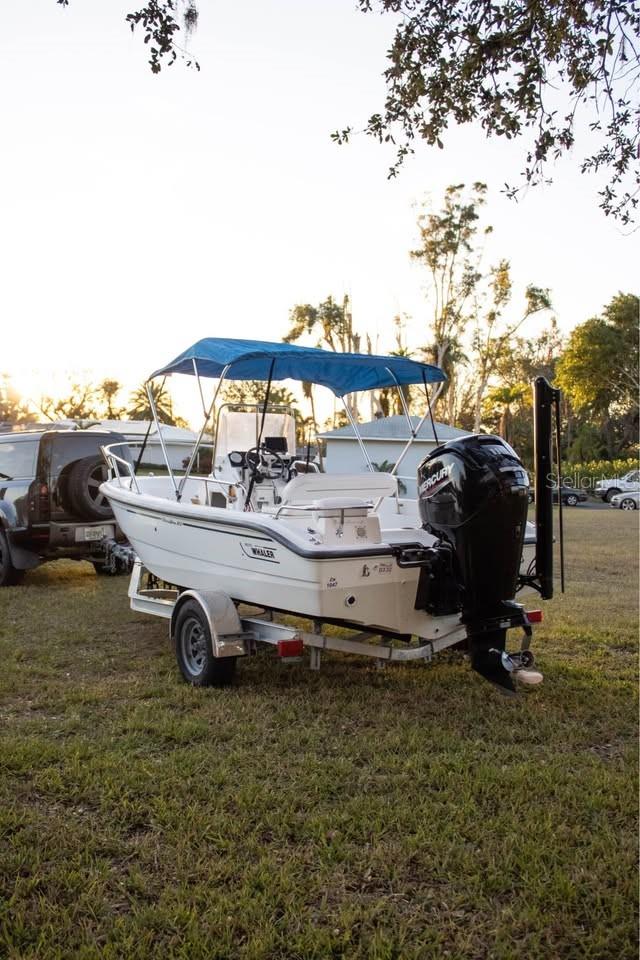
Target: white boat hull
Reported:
point(209, 548)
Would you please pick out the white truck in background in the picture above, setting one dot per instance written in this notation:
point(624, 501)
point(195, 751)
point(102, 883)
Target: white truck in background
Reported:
point(629, 483)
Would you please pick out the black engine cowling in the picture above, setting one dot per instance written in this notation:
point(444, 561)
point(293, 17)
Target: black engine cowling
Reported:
point(473, 496)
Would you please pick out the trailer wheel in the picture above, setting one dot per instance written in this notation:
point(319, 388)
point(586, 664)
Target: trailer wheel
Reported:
point(194, 650)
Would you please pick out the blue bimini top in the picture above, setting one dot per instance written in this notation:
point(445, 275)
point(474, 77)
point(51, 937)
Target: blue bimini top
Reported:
point(259, 360)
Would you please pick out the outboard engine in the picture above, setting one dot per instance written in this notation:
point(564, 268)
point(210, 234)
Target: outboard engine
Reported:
point(473, 496)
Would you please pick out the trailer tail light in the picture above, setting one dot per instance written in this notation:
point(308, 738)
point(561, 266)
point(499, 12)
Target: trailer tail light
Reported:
point(290, 648)
point(534, 616)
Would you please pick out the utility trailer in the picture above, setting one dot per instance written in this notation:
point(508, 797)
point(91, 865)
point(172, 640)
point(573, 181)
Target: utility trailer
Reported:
point(209, 635)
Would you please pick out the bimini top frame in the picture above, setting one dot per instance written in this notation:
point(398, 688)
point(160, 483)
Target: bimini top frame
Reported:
point(342, 373)
point(259, 360)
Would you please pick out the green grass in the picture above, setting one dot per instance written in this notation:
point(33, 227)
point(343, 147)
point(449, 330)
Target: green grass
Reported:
point(405, 813)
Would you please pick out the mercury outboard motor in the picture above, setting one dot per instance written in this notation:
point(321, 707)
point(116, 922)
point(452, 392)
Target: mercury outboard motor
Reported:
point(473, 496)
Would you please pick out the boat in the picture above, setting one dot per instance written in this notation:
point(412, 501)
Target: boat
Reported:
point(265, 527)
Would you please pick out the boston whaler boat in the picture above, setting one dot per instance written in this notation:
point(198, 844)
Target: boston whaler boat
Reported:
point(268, 530)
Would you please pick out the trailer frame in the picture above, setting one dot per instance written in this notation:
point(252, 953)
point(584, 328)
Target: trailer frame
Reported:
point(239, 635)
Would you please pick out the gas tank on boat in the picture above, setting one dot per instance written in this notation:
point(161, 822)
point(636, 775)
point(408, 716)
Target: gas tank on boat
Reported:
point(473, 495)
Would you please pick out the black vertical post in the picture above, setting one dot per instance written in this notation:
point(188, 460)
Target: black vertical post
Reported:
point(544, 398)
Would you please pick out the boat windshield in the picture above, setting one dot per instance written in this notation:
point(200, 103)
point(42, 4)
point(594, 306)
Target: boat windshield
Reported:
point(238, 428)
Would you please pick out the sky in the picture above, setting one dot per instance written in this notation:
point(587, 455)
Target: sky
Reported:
point(140, 212)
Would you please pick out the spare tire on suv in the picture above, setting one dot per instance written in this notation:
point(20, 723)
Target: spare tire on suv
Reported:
point(83, 489)
point(50, 502)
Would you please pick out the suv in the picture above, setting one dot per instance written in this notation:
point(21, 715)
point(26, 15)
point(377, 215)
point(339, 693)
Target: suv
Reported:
point(50, 502)
point(606, 489)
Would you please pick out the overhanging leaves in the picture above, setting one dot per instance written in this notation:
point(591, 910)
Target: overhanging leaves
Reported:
point(518, 69)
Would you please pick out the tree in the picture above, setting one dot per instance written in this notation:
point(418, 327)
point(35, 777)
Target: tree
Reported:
point(469, 302)
point(140, 408)
point(507, 408)
point(79, 404)
point(255, 391)
point(161, 21)
point(13, 409)
point(447, 249)
point(307, 392)
point(490, 337)
point(107, 392)
point(389, 399)
point(332, 324)
point(526, 68)
point(622, 314)
point(599, 367)
point(507, 65)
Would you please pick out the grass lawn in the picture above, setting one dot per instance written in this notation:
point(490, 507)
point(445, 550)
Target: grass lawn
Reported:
point(405, 813)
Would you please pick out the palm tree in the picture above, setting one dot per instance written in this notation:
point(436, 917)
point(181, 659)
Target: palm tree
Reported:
point(140, 408)
point(107, 392)
point(307, 390)
point(334, 323)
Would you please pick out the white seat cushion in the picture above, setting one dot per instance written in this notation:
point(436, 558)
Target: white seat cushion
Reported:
point(341, 507)
point(310, 487)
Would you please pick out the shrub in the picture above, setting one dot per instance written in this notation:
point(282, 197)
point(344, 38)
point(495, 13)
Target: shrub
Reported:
point(586, 474)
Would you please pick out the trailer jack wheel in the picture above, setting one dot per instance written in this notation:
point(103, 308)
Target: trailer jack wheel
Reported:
point(194, 650)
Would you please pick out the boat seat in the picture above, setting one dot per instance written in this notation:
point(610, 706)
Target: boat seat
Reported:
point(312, 487)
point(341, 507)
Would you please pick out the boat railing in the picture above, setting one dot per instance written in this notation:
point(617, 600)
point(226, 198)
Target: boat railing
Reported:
point(114, 461)
point(229, 484)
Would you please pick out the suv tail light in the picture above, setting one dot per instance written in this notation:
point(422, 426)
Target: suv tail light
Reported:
point(43, 503)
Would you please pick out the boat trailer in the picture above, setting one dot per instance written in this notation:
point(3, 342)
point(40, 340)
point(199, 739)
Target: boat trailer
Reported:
point(205, 625)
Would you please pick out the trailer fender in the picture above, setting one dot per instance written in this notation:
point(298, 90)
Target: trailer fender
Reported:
point(227, 638)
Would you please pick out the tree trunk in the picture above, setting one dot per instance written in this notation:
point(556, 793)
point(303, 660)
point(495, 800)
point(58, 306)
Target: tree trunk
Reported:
point(451, 402)
point(608, 436)
point(505, 424)
point(315, 428)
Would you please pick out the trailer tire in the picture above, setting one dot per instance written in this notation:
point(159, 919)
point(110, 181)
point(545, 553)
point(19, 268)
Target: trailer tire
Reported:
point(194, 649)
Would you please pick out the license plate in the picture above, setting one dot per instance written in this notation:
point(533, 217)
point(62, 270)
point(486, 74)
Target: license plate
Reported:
point(94, 533)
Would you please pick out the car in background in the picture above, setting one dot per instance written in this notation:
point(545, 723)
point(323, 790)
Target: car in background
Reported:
point(571, 496)
point(50, 502)
point(626, 501)
point(607, 489)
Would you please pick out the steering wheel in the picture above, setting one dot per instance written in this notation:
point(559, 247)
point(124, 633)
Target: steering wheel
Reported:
point(265, 463)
